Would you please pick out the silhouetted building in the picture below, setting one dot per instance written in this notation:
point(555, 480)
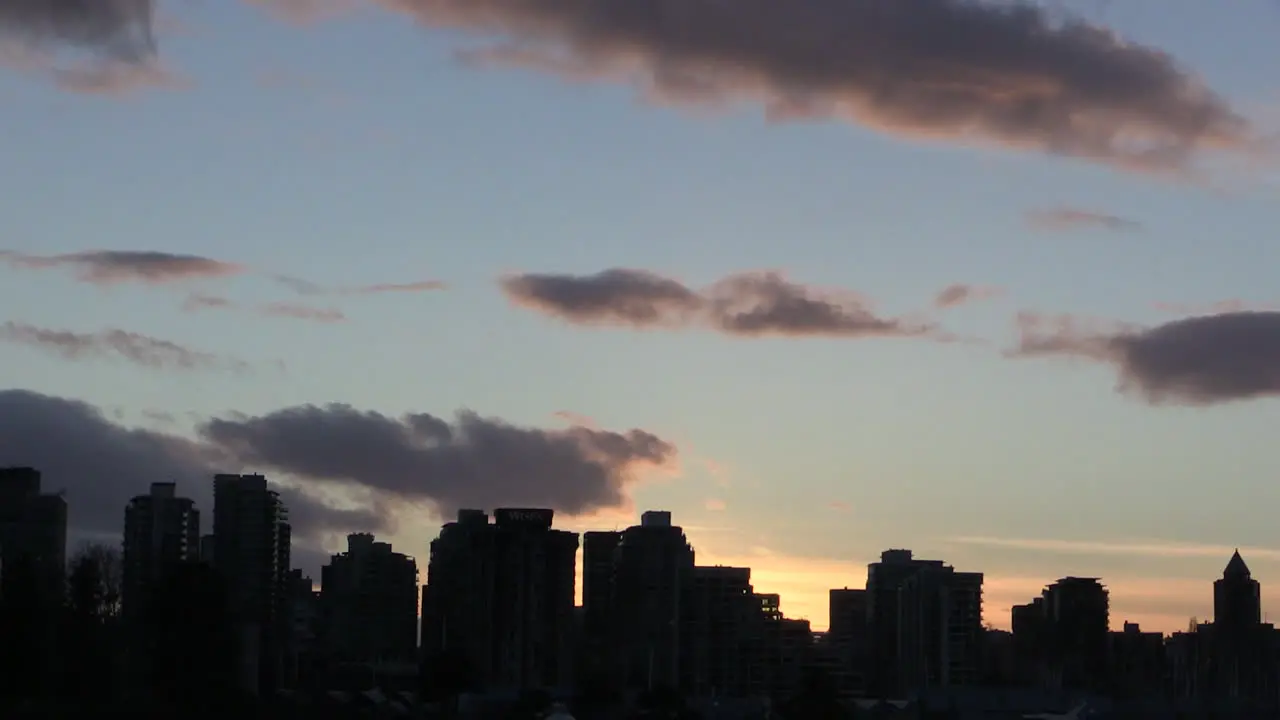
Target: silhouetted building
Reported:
point(1074, 634)
point(718, 617)
point(369, 601)
point(33, 528)
point(848, 639)
point(1237, 597)
point(885, 582)
point(1243, 647)
point(304, 654)
point(939, 628)
point(161, 530)
point(781, 650)
point(599, 550)
point(1137, 662)
point(207, 546)
point(502, 595)
point(653, 567)
point(1029, 625)
point(251, 545)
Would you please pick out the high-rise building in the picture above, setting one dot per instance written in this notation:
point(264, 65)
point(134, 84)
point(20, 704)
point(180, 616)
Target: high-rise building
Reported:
point(848, 639)
point(939, 628)
point(1237, 597)
point(502, 594)
point(599, 549)
point(719, 618)
point(1076, 622)
point(653, 567)
point(251, 539)
point(33, 528)
point(884, 582)
point(161, 530)
point(369, 603)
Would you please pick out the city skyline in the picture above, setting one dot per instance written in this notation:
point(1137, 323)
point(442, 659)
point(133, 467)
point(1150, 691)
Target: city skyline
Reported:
point(468, 262)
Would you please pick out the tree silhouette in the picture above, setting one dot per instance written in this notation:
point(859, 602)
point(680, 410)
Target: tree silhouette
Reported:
point(89, 638)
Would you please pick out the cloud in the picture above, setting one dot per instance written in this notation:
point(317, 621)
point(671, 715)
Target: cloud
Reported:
point(136, 348)
point(1202, 360)
point(117, 78)
point(471, 462)
point(326, 454)
point(101, 464)
point(115, 29)
point(960, 294)
point(306, 287)
point(1149, 548)
point(306, 11)
point(1008, 73)
point(715, 504)
point(108, 267)
point(744, 304)
point(1218, 308)
point(197, 302)
point(304, 312)
point(1062, 218)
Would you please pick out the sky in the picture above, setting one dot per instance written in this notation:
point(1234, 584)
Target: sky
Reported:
point(992, 281)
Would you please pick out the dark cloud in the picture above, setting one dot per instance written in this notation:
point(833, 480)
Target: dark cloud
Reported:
point(744, 304)
point(1202, 360)
point(613, 297)
point(101, 464)
point(107, 267)
point(1063, 218)
point(1003, 72)
point(306, 287)
point(371, 459)
point(472, 462)
point(134, 347)
point(118, 29)
point(961, 294)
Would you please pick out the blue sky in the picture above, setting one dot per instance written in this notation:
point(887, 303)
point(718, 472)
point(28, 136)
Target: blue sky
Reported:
point(358, 150)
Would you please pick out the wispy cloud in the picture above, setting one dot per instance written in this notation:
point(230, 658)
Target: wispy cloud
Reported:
point(1203, 360)
point(1140, 548)
point(303, 312)
point(198, 301)
point(108, 267)
point(1064, 218)
point(753, 304)
point(118, 78)
point(715, 504)
point(1217, 308)
point(136, 348)
point(306, 287)
point(1094, 94)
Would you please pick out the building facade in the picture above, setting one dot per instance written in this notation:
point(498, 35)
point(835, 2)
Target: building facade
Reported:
point(251, 552)
point(33, 528)
point(161, 530)
point(369, 603)
point(501, 595)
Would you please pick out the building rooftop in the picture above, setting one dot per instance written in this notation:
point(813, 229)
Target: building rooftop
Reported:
point(1236, 567)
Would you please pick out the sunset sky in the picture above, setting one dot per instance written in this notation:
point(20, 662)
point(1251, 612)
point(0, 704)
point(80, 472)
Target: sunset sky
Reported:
point(993, 281)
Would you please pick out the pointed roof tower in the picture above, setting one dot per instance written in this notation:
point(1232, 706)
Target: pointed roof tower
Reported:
point(1236, 568)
